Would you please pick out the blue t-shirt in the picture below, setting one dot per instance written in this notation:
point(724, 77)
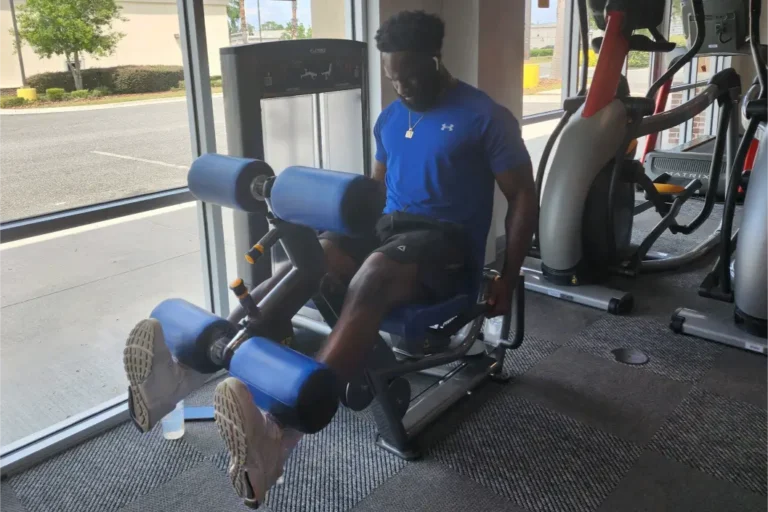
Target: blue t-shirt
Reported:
point(446, 170)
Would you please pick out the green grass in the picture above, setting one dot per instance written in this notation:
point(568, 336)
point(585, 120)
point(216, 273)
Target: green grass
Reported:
point(538, 60)
point(105, 100)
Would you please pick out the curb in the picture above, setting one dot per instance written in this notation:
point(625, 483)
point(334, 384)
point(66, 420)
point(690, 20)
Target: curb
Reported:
point(85, 108)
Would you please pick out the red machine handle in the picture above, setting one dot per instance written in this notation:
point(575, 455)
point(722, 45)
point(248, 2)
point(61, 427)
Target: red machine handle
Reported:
point(610, 63)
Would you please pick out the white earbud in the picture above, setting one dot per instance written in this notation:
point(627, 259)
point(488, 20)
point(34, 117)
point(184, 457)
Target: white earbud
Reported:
point(437, 63)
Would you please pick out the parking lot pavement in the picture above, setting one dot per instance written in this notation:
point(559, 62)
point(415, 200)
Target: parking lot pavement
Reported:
point(61, 160)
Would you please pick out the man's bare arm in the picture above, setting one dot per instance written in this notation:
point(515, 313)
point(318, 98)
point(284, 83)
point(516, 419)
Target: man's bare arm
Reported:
point(379, 171)
point(519, 189)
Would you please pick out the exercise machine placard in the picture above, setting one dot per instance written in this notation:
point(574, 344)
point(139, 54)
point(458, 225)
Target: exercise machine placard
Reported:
point(310, 76)
point(310, 66)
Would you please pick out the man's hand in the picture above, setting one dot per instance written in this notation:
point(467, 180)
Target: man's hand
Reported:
point(500, 297)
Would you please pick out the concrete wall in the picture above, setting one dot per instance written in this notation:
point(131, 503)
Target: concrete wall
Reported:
point(151, 37)
point(460, 47)
point(387, 8)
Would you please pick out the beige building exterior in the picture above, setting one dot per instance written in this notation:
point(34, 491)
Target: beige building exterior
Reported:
point(151, 37)
point(329, 19)
point(543, 35)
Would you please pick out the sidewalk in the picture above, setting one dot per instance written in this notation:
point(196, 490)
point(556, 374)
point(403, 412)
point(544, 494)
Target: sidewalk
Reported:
point(552, 96)
point(69, 300)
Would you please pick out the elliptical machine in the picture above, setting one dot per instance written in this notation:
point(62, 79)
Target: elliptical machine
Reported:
point(588, 200)
point(749, 289)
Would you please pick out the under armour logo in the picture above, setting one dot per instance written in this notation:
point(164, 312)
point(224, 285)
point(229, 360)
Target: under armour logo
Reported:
point(448, 127)
point(401, 248)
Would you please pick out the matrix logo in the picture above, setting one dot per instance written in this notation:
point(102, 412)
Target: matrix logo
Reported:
point(316, 50)
point(688, 175)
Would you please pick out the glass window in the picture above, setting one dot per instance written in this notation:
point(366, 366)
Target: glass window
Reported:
point(536, 136)
point(638, 69)
point(703, 125)
point(102, 128)
point(545, 50)
point(593, 32)
point(74, 147)
point(700, 69)
point(69, 301)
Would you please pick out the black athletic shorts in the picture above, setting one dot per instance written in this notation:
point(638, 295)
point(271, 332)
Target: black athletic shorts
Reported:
point(439, 248)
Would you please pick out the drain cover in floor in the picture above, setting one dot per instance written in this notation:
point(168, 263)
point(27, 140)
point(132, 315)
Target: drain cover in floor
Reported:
point(629, 356)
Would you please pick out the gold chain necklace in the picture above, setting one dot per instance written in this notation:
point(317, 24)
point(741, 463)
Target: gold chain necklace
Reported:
point(409, 133)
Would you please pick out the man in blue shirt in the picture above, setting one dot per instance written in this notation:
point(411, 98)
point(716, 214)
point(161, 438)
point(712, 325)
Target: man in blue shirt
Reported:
point(440, 149)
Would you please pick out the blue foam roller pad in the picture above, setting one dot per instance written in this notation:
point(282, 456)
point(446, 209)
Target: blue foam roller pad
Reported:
point(226, 181)
point(299, 391)
point(325, 200)
point(189, 331)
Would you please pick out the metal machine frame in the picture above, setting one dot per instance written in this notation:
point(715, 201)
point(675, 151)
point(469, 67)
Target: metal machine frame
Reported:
point(747, 327)
point(382, 385)
point(253, 72)
point(245, 70)
point(384, 388)
point(579, 206)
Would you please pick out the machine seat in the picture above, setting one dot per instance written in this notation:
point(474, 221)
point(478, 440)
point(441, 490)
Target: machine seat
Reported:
point(413, 321)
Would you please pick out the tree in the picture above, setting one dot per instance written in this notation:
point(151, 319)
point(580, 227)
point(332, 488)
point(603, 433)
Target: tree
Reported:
point(233, 16)
point(302, 32)
point(70, 28)
point(243, 22)
point(272, 25)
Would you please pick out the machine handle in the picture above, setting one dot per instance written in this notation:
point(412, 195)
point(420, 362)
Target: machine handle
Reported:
point(678, 115)
point(266, 243)
point(504, 340)
point(241, 291)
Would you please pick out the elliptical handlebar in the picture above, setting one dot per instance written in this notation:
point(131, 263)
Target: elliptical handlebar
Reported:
point(715, 168)
point(678, 115)
point(720, 86)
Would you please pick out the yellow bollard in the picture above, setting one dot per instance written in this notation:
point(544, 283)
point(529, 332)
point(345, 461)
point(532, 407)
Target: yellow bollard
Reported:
point(29, 93)
point(530, 76)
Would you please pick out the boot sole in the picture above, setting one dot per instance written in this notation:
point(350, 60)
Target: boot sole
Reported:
point(231, 422)
point(137, 361)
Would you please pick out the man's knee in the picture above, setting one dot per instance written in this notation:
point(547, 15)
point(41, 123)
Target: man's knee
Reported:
point(340, 265)
point(383, 282)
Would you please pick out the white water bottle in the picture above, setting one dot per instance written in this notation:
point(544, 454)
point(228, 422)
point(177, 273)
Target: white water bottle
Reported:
point(492, 329)
point(173, 422)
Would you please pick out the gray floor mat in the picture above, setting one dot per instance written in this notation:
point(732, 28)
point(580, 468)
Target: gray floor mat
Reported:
point(573, 430)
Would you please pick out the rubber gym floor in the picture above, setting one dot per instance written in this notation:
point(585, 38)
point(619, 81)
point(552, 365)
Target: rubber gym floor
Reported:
point(573, 431)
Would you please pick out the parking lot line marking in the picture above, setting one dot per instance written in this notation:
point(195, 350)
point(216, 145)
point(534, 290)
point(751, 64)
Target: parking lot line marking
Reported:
point(126, 157)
